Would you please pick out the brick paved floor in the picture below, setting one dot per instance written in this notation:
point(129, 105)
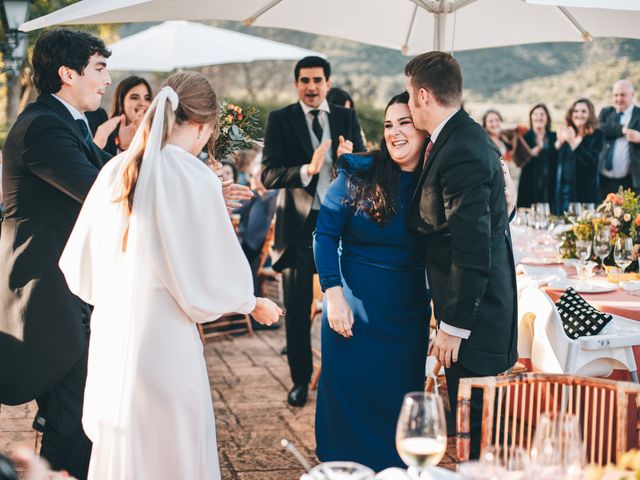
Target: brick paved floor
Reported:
point(249, 383)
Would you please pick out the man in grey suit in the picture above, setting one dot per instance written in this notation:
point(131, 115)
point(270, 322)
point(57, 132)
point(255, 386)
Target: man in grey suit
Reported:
point(620, 157)
point(50, 163)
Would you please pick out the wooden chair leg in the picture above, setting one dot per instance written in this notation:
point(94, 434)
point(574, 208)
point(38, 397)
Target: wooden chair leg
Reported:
point(247, 319)
point(201, 333)
point(316, 377)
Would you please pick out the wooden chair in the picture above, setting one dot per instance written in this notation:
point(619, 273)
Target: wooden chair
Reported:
point(235, 322)
point(316, 309)
point(514, 403)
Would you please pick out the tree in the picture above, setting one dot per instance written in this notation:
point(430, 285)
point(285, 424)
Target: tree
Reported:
point(16, 88)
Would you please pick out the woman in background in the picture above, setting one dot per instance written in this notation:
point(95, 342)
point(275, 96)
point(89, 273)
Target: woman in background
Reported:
point(130, 102)
point(538, 176)
point(579, 142)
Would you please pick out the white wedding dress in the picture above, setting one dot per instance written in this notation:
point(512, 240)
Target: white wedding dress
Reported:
point(147, 404)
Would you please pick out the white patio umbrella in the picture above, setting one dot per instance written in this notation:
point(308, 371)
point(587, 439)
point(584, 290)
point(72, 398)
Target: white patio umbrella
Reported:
point(182, 44)
point(414, 26)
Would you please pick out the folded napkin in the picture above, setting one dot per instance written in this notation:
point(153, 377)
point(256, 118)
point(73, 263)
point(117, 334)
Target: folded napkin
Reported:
point(579, 318)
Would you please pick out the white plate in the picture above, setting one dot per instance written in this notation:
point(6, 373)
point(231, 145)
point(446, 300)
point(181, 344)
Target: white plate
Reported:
point(540, 261)
point(589, 286)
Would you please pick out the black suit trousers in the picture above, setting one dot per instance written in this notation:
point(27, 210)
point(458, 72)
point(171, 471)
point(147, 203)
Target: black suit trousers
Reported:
point(453, 375)
point(297, 286)
point(59, 418)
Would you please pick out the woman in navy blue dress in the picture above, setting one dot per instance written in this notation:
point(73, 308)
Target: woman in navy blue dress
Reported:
point(375, 327)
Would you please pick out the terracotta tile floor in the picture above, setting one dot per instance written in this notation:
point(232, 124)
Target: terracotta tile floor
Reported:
point(249, 383)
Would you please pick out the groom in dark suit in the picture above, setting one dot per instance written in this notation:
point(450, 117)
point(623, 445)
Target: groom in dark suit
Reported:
point(50, 163)
point(301, 143)
point(461, 210)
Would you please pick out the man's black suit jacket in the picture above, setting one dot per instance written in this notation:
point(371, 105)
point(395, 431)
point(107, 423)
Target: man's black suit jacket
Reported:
point(460, 208)
point(287, 146)
point(612, 130)
point(48, 170)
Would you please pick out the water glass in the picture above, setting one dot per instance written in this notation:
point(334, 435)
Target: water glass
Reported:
point(602, 243)
point(574, 209)
point(584, 270)
point(623, 252)
point(421, 433)
point(507, 462)
point(557, 451)
point(583, 249)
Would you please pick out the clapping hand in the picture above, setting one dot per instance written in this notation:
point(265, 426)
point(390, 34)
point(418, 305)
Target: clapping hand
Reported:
point(339, 313)
point(317, 160)
point(106, 129)
point(445, 348)
point(266, 312)
point(631, 135)
point(126, 132)
point(344, 146)
point(234, 193)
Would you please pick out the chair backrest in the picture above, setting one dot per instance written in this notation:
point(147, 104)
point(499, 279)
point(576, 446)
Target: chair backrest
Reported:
point(512, 405)
point(266, 246)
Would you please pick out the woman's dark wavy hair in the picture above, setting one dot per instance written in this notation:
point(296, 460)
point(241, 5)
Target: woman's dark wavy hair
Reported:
point(373, 191)
point(62, 47)
point(121, 91)
point(547, 126)
point(592, 122)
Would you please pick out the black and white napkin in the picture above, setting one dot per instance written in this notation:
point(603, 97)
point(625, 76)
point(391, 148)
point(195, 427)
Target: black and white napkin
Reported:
point(580, 319)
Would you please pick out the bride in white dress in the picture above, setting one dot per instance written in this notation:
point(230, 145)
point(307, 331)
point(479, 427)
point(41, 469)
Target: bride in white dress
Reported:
point(154, 264)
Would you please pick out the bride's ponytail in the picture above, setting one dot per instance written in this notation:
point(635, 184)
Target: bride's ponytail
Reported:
point(198, 103)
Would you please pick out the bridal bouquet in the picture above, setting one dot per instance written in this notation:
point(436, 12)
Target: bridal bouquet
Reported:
point(239, 129)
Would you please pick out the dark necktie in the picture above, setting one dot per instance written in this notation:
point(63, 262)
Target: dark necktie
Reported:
point(86, 136)
point(315, 125)
point(426, 155)
point(608, 162)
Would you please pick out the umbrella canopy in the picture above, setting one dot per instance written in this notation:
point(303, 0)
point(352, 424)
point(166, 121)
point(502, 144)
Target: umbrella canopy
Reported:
point(182, 44)
point(414, 26)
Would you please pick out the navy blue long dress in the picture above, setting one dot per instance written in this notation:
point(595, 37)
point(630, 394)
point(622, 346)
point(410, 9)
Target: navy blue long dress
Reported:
point(364, 378)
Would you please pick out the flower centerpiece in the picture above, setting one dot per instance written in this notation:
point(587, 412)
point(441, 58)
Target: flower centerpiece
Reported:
point(622, 212)
point(239, 129)
point(583, 227)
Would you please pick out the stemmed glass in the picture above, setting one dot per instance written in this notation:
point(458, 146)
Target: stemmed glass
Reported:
point(557, 450)
point(623, 252)
point(583, 249)
point(602, 244)
point(421, 433)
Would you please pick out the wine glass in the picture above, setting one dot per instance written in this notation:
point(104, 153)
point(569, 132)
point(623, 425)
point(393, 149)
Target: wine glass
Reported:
point(507, 462)
point(583, 250)
point(557, 450)
point(421, 434)
point(623, 252)
point(602, 244)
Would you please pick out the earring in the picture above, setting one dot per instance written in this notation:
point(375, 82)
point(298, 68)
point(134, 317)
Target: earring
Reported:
point(200, 135)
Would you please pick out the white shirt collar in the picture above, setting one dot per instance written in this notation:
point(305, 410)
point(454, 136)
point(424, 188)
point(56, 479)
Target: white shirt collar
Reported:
point(75, 113)
point(438, 129)
point(626, 115)
point(324, 107)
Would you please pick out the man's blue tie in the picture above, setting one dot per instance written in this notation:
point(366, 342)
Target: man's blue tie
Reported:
point(86, 136)
point(608, 162)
